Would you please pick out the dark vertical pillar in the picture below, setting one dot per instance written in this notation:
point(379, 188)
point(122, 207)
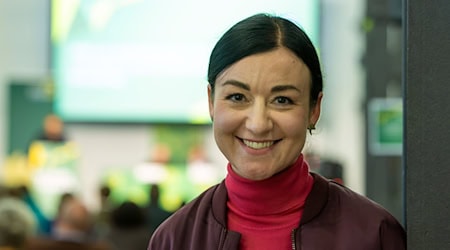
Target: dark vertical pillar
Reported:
point(382, 62)
point(427, 123)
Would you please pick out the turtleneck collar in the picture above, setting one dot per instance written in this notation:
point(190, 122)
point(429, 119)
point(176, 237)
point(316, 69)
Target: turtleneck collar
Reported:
point(282, 193)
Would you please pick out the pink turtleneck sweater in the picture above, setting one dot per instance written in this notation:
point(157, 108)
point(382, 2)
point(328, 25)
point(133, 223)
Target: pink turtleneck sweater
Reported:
point(265, 212)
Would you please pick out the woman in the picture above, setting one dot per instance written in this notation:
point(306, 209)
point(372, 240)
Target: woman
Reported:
point(265, 93)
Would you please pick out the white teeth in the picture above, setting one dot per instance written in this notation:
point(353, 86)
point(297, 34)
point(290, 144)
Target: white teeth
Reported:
point(258, 145)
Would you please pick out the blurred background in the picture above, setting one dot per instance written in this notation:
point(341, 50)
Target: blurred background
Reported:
point(109, 97)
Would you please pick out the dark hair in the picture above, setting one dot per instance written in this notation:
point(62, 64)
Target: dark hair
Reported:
point(261, 33)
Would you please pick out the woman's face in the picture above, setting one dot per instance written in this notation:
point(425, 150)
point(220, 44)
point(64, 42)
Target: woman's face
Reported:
point(261, 112)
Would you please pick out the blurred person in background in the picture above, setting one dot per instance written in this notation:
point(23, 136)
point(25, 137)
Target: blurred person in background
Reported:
point(327, 168)
point(63, 199)
point(44, 223)
point(155, 213)
point(17, 223)
point(71, 230)
point(128, 228)
point(332, 170)
point(265, 93)
point(102, 218)
point(51, 133)
point(52, 129)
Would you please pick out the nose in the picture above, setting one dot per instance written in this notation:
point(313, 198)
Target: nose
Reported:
point(258, 118)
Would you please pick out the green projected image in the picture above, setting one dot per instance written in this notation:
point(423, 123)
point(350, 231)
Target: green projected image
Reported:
point(146, 61)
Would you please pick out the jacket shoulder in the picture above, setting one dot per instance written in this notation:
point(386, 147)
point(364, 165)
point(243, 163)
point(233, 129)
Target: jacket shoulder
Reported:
point(327, 194)
point(351, 200)
point(348, 218)
point(187, 225)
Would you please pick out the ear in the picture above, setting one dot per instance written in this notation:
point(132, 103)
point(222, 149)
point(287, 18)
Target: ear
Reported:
point(211, 102)
point(315, 111)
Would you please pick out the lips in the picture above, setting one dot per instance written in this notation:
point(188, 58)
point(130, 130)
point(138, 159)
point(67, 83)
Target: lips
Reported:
point(258, 145)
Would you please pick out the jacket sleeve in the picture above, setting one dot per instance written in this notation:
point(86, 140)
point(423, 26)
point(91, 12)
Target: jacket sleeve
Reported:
point(392, 235)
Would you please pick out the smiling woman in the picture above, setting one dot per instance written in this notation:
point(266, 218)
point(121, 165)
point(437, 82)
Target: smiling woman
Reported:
point(261, 111)
point(265, 93)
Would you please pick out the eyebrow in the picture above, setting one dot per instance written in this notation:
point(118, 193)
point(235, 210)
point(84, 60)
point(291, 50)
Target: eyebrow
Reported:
point(237, 84)
point(278, 88)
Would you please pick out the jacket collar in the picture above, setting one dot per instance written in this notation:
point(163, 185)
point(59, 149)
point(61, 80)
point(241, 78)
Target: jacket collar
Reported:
point(316, 200)
point(219, 204)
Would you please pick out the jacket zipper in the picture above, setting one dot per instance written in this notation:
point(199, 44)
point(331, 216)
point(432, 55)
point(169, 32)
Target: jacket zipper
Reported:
point(293, 239)
point(222, 238)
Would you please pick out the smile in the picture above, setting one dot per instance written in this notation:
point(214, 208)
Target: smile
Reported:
point(258, 145)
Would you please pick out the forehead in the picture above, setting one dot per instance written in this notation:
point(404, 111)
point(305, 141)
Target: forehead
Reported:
point(280, 66)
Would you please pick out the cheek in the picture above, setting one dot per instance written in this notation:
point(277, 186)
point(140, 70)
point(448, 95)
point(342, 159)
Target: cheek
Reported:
point(225, 121)
point(295, 121)
point(295, 128)
point(295, 131)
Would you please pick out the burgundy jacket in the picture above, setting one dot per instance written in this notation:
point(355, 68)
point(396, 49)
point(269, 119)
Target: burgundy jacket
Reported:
point(334, 218)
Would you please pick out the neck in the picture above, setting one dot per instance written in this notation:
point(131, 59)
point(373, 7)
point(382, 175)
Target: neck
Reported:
point(276, 194)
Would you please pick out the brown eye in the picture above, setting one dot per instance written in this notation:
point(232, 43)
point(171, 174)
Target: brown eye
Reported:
point(283, 100)
point(236, 97)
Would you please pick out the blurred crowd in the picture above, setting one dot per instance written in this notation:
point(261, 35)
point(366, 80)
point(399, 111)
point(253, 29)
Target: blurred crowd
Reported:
point(118, 223)
point(121, 226)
